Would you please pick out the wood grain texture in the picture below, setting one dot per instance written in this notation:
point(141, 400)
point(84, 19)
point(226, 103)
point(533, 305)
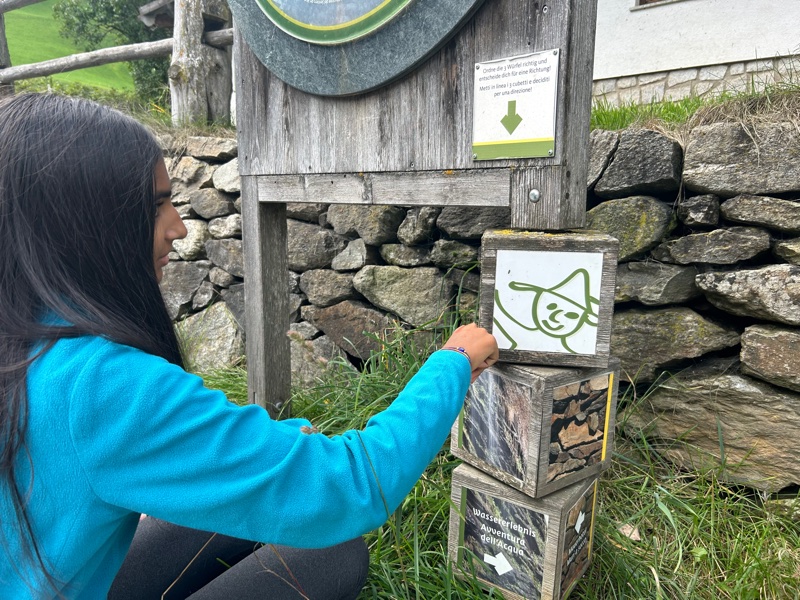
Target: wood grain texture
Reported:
point(423, 122)
point(573, 241)
point(489, 187)
point(555, 506)
point(266, 302)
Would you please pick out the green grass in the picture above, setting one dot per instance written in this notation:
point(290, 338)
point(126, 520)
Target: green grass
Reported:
point(33, 36)
point(699, 538)
point(779, 99)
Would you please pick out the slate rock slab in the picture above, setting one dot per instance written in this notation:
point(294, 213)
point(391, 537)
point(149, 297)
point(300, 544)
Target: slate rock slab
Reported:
point(418, 296)
point(211, 339)
point(788, 250)
point(772, 213)
point(311, 246)
point(718, 247)
point(418, 226)
point(469, 223)
point(353, 326)
point(772, 354)
point(728, 159)
point(647, 341)
point(602, 144)
point(356, 255)
point(179, 283)
point(771, 293)
point(645, 162)
point(325, 287)
point(639, 223)
point(375, 225)
point(227, 254)
point(700, 210)
point(758, 423)
point(655, 284)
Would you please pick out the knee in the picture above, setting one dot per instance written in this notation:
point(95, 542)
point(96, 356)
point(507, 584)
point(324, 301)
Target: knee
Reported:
point(358, 561)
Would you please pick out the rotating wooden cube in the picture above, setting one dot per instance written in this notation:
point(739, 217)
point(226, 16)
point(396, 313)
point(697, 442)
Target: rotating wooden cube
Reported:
point(539, 429)
point(529, 548)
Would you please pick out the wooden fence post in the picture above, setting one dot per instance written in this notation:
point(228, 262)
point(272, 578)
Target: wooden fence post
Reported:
point(5, 59)
point(200, 75)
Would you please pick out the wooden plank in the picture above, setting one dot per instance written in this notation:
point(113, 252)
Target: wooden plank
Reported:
point(562, 188)
point(490, 187)
point(593, 247)
point(9, 5)
point(266, 302)
point(535, 536)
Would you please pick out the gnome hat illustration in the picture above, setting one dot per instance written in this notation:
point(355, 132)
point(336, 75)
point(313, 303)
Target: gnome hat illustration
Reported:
point(559, 311)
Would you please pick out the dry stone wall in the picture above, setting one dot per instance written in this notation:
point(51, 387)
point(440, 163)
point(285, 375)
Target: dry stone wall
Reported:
point(708, 284)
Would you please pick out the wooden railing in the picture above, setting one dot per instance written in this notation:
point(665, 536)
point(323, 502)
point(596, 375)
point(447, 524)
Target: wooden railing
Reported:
point(200, 70)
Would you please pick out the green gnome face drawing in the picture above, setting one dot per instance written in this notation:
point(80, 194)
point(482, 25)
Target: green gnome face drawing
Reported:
point(555, 312)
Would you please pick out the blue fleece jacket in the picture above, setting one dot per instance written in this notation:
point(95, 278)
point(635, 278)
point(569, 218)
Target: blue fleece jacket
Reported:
point(114, 432)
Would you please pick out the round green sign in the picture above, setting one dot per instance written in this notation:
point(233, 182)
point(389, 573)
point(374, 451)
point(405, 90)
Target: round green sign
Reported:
point(331, 21)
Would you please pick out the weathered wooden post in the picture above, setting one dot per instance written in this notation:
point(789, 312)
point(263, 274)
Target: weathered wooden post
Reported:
point(200, 74)
point(6, 89)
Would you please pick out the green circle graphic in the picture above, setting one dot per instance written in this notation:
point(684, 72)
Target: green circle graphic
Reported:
point(331, 21)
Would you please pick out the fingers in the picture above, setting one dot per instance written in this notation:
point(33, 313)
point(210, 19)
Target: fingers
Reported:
point(479, 344)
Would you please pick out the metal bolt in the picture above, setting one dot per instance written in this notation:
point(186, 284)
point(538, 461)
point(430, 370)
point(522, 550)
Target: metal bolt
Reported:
point(545, 8)
point(477, 67)
point(549, 153)
point(474, 157)
point(534, 196)
point(555, 52)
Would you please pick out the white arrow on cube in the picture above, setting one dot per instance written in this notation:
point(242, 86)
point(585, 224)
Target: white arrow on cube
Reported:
point(499, 562)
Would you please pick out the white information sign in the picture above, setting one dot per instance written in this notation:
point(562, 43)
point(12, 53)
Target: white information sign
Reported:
point(515, 107)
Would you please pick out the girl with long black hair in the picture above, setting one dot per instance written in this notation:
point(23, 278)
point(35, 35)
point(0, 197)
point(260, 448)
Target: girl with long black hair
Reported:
point(99, 422)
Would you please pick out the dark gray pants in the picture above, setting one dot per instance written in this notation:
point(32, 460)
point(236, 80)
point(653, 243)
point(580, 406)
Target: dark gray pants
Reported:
point(232, 569)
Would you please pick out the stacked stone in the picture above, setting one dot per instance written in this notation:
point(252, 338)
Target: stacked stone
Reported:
point(707, 290)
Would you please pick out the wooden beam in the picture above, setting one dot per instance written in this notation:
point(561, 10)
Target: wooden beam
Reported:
point(5, 60)
point(264, 236)
point(8, 5)
point(486, 187)
point(105, 56)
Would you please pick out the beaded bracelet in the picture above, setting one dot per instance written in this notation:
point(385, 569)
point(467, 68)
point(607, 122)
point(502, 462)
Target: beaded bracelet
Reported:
point(459, 350)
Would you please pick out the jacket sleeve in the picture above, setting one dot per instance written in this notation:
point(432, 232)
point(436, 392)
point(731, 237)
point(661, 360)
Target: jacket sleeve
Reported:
point(151, 438)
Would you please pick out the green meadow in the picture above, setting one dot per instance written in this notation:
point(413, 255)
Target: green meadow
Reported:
point(33, 36)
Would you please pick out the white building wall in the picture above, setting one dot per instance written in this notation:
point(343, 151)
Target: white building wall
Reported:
point(691, 33)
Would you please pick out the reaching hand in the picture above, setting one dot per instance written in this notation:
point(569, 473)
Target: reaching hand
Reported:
point(479, 344)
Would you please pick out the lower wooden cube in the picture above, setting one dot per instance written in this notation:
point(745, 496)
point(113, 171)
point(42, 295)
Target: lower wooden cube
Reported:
point(529, 548)
point(539, 429)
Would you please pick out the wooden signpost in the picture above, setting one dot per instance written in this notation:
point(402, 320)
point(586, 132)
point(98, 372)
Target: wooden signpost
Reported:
point(411, 142)
point(452, 103)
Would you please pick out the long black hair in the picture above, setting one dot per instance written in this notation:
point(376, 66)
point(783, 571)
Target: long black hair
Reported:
point(77, 215)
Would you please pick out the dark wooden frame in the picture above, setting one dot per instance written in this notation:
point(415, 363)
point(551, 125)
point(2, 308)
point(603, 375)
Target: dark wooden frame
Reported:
point(574, 241)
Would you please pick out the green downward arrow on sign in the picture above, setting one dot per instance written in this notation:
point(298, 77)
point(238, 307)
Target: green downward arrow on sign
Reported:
point(512, 120)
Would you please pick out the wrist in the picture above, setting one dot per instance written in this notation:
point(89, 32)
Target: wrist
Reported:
point(459, 350)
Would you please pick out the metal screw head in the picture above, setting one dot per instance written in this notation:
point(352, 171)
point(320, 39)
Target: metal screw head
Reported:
point(477, 67)
point(534, 196)
point(555, 52)
point(549, 153)
point(545, 8)
point(474, 156)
